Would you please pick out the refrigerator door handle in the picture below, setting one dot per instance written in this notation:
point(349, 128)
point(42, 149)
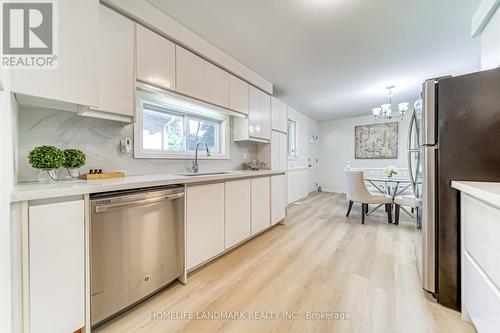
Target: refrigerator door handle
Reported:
point(410, 129)
point(413, 181)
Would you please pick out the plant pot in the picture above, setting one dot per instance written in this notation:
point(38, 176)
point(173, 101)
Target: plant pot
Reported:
point(74, 173)
point(47, 176)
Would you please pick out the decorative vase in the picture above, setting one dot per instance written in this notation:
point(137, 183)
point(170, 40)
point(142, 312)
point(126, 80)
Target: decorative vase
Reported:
point(47, 176)
point(74, 173)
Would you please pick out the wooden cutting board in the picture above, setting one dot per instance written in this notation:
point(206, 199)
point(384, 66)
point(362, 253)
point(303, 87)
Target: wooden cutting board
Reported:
point(104, 175)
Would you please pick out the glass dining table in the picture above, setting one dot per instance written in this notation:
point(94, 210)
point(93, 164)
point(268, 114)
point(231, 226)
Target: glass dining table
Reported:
point(391, 186)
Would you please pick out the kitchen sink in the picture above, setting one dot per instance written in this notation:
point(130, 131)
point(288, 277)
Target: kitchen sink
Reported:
point(191, 174)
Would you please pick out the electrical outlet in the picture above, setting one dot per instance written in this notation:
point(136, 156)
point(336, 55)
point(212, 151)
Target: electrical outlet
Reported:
point(126, 146)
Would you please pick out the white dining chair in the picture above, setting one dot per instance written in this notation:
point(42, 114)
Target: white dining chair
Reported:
point(356, 191)
point(406, 201)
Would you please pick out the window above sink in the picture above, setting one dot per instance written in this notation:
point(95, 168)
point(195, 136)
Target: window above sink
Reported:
point(168, 129)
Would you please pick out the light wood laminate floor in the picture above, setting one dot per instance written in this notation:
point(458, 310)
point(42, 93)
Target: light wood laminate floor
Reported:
point(320, 261)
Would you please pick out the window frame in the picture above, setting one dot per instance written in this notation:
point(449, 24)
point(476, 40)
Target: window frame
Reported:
point(157, 99)
point(294, 156)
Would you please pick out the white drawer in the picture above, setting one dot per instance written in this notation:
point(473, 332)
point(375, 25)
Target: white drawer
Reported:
point(481, 235)
point(481, 298)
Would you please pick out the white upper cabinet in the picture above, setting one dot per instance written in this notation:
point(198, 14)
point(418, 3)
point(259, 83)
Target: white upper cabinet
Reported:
point(265, 115)
point(238, 95)
point(216, 90)
point(278, 115)
point(254, 112)
point(155, 59)
point(258, 125)
point(116, 51)
point(190, 74)
point(75, 80)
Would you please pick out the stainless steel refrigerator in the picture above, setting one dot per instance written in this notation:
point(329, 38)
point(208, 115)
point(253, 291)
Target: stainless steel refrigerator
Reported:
point(454, 135)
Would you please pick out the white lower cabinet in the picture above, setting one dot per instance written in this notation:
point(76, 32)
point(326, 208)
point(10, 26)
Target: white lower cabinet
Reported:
point(261, 204)
point(57, 267)
point(480, 239)
point(238, 226)
point(278, 199)
point(204, 223)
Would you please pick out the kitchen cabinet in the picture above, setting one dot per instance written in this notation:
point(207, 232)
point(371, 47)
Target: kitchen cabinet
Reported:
point(480, 246)
point(278, 199)
point(216, 85)
point(265, 115)
point(238, 226)
point(155, 59)
point(204, 223)
point(278, 151)
point(278, 115)
point(238, 95)
point(261, 204)
point(57, 267)
point(257, 127)
point(190, 73)
point(116, 53)
point(75, 78)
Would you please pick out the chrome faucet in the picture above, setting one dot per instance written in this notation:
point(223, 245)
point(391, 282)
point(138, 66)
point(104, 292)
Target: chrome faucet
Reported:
point(195, 162)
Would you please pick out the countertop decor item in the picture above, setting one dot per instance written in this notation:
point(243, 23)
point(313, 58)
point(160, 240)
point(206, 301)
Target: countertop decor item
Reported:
point(48, 159)
point(390, 170)
point(73, 160)
point(255, 164)
point(103, 175)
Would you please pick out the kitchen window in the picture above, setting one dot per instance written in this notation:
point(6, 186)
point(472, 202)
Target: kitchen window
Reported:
point(165, 130)
point(292, 139)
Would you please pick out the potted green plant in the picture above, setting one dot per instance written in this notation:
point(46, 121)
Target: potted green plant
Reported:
point(73, 160)
point(390, 170)
point(47, 159)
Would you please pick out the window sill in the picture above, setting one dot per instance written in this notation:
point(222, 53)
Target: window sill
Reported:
point(180, 156)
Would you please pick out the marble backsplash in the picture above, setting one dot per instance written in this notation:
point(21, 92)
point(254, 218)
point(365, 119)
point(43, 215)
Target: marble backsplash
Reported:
point(100, 140)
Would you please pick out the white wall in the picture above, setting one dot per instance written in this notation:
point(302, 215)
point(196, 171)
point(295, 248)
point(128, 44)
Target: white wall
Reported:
point(7, 107)
point(301, 178)
point(337, 147)
point(490, 43)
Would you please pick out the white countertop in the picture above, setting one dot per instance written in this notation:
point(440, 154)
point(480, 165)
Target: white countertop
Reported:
point(486, 191)
point(35, 191)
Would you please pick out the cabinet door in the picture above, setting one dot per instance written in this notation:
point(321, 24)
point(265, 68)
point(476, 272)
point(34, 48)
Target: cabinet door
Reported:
point(277, 198)
point(204, 222)
point(238, 95)
point(238, 226)
point(265, 115)
point(278, 151)
point(283, 152)
point(254, 112)
point(57, 267)
point(190, 73)
point(261, 204)
point(76, 76)
point(155, 59)
point(216, 89)
point(116, 36)
point(278, 115)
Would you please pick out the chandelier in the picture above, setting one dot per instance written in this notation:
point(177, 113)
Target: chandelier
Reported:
point(385, 110)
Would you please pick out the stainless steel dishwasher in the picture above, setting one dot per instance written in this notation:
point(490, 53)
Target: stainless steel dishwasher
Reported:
point(137, 246)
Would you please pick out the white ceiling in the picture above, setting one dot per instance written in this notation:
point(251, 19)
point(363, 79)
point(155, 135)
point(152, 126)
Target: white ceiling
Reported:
point(333, 59)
